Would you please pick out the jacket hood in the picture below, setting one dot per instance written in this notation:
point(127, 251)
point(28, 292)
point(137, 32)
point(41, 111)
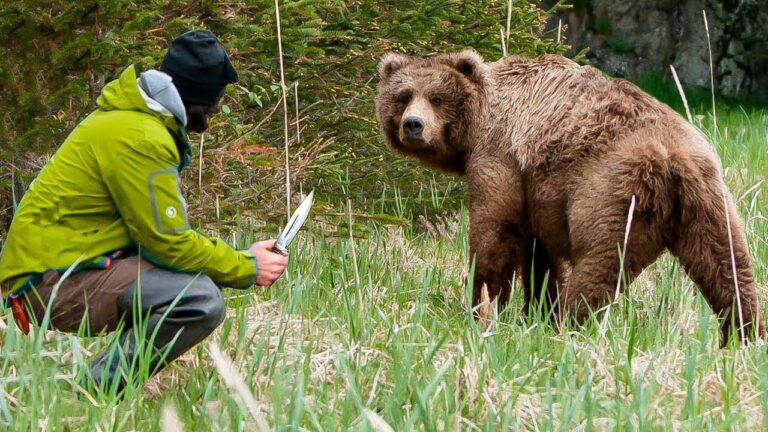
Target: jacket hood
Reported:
point(161, 95)
point(153, 93)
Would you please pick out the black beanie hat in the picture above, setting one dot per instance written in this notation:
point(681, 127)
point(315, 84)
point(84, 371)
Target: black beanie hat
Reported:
point(199, 67)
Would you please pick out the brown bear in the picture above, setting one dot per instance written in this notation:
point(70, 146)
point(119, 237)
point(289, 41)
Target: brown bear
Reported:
point(554, 155)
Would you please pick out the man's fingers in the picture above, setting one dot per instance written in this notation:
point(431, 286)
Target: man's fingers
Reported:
point(281, 260)
point(276, 265)
point(270, 274)
point(271, 264)
point(274, 268)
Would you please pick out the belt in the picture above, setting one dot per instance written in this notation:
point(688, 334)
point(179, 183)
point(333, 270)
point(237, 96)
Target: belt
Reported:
point(16, 301)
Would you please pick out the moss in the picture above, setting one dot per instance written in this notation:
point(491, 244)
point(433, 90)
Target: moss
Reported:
point(619, 45)
point(663, 88)
point(603, 25)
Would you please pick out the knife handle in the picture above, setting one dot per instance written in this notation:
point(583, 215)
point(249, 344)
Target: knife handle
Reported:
point(279, 250)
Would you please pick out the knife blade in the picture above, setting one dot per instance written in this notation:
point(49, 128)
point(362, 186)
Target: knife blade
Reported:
point(297, 220)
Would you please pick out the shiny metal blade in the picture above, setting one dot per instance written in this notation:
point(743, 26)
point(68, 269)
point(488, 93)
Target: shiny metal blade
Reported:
point(294, 223)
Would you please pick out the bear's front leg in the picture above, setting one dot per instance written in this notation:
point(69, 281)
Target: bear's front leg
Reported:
point(497, 240)
point(497, 249)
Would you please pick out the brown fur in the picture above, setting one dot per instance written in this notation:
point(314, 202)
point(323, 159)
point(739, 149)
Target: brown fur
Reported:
point(552, 153)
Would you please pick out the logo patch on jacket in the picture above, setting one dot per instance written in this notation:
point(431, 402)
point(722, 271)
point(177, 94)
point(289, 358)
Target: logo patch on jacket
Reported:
point(168, 206)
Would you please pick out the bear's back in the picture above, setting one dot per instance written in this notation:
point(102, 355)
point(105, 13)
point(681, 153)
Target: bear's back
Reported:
point(560, 109)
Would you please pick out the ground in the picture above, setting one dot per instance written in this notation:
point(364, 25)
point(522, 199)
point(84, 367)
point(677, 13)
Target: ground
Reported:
point(372, 331)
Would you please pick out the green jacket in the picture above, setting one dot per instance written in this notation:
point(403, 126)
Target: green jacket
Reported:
point(112, 185)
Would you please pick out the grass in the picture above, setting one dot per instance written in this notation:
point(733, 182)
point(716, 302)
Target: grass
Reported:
point(385, 341)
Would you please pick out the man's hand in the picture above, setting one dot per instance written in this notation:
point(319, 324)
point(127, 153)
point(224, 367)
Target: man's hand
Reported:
point(271, 264)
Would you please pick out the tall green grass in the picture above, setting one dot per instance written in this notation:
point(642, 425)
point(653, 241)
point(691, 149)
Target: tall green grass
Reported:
point(370, 329)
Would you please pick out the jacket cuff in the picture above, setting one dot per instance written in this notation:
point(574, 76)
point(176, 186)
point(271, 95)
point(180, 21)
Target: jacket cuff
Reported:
point(255, 270)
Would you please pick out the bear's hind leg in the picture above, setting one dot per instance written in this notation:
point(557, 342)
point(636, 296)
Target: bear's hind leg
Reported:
point(598, 220)
point(597, 276)
point(702, 245)
point(598, 223)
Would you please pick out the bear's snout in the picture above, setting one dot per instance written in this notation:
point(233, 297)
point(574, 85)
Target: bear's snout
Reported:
point(413, 127)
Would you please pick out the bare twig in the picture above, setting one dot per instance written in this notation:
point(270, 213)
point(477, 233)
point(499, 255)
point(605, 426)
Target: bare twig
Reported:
point(484, 308)
point(308, 156)
point(624, 248)
point(711, 70)
point(682, 93)
point(236, 384)
point(170, 419)
point(255, 128)
point(622, 257)
point(733, 262)
point(509, 25)
point(200, 156)
point(285, 112)
point(503, 43)
point(298, 124)
point(725, 195)
point(377, 423)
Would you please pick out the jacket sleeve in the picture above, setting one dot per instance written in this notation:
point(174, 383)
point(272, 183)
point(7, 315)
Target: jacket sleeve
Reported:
point(146, 191)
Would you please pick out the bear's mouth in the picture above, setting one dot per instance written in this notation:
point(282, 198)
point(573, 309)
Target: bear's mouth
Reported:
point(404, 144)
point(415, 143)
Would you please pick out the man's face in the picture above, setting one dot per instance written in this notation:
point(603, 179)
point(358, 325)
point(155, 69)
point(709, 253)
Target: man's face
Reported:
point(199, 115)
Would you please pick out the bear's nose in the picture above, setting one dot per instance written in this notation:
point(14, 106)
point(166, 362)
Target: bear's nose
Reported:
point(413, 127)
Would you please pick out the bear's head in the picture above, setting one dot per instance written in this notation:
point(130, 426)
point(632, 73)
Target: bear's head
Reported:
point(425, 106)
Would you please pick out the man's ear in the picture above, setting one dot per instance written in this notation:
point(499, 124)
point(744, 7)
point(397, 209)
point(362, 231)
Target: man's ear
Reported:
point(468, 63)
point(391, 63)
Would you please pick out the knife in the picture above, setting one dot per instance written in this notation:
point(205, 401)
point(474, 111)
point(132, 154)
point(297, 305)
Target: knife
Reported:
point(294, 225)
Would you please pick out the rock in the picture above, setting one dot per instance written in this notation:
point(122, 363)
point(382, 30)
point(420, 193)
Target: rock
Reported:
point(634, 38)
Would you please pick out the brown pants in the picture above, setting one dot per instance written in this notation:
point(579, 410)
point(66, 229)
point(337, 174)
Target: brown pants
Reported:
point(87, 300)
point(162, 312)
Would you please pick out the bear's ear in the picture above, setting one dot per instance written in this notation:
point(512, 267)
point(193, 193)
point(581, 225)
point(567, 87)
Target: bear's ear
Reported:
point(390, 63)
point(468, 63)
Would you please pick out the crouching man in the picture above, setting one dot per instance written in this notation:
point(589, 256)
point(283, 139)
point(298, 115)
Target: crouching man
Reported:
point(109, 203)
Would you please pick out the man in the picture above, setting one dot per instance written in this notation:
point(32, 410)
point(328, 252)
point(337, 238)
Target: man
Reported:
point(109, 204)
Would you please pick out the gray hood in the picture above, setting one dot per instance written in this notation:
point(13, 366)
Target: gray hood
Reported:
point(161, 95)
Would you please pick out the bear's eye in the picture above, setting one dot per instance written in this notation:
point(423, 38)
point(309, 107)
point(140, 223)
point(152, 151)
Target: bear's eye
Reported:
point(404, 98)
point(436, 101)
